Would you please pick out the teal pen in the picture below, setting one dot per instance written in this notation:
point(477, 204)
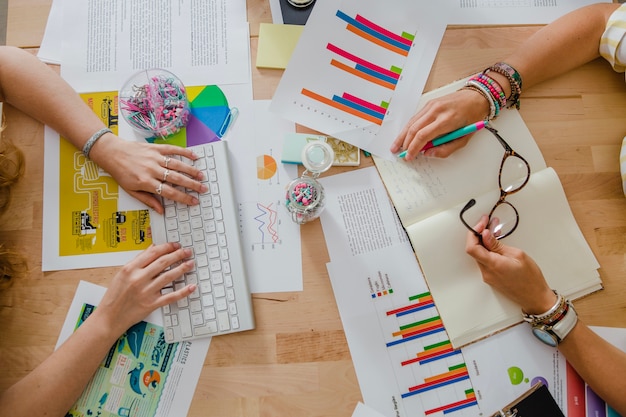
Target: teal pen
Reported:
point(448, 137)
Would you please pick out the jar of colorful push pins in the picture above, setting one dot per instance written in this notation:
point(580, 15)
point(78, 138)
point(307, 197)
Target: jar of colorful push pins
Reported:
point(305, 195)
point(154, 102)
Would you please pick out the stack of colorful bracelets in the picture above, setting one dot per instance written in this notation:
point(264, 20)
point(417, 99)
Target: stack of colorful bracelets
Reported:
point(492, 90)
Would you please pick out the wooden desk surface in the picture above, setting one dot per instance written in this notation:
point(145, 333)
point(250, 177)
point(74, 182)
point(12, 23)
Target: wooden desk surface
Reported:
point(297, 362)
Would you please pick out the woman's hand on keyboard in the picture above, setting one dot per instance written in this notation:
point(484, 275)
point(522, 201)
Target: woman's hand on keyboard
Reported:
point(144, 169)
point(144, 285)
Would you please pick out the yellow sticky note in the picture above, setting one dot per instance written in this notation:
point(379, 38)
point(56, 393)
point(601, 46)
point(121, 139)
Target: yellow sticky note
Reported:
point(276, 43)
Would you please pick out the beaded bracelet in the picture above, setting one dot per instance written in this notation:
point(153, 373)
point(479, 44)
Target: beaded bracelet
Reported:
point(494, 87)
point(488, 94)
point(92, 140)
point(492, 105)
point(514, 78)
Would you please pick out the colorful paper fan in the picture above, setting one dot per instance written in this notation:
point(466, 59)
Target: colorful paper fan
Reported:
point(209, 119)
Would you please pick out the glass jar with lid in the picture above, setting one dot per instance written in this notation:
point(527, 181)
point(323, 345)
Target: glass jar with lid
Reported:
point(304, 198)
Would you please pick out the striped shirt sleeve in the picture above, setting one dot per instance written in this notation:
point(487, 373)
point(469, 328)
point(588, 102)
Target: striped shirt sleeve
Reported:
point(611, 46)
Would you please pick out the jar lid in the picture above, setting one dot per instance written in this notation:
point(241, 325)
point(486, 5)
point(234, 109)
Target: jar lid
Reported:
point(317, 156)
point(300, 3)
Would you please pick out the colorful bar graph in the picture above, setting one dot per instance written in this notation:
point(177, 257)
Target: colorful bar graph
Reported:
point(469, 401)
point(455, 374)
point(360, 72)
point(423, 301)
point(400, 44)
point(349, 106)
point(439, 375)
point(433, 353)
point(366, 67)
point(418, 327)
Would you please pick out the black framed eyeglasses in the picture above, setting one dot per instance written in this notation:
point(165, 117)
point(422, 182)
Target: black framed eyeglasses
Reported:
point(513, 176)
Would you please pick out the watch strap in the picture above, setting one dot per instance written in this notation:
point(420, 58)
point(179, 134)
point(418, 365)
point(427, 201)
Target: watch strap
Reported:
point(557, 322)
point(565, 323)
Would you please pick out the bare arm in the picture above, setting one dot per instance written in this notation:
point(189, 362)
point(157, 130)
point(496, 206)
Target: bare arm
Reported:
point(52, 388)
point(565, 44)
point(31, 86)
point(516, 275)
point(561, 46)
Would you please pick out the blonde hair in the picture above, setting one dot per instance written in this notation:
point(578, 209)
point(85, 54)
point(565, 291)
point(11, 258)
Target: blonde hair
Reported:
point(12, 263)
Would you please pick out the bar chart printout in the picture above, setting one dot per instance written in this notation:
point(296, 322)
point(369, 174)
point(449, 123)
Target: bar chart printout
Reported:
point(378, 74)
point(403, 359)
point(429, 371)
point(358, 67)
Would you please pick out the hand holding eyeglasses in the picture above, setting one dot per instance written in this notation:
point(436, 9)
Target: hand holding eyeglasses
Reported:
point(513, 175)
point(509, 270)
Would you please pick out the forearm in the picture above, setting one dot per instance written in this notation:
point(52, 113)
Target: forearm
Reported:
point(55, 385)
point(563, 45)
point(599, 363)
point(31, 86)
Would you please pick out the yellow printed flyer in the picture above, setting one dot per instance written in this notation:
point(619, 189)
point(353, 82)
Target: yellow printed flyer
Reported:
point(89, 220)
point(83, 226)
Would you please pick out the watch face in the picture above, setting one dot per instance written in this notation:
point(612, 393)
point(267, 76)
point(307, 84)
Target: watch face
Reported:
point(546, 337)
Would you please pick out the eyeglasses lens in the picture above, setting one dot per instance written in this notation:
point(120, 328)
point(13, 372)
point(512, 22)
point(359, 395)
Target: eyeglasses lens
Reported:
point(503, 220)
point(514, 174)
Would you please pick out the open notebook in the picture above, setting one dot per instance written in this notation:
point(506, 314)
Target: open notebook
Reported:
point(429, 193)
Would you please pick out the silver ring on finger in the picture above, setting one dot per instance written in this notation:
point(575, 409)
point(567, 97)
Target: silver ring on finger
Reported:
point(159, 189)
point(165, 174)
point(166, 160)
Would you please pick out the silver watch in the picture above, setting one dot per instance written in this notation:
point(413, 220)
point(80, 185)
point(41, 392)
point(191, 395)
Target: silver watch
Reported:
point(553, 329)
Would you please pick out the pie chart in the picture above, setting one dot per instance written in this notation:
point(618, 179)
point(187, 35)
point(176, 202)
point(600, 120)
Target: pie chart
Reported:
point(209, 119)
point(265, 167)
point(210, 115)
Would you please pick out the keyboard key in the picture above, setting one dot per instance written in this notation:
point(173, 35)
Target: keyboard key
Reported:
point(209, 328)
point(220, 304)
point(219, 291)
point(205, 287)
point(185, 323)
point(223, 320)
point(197, 320)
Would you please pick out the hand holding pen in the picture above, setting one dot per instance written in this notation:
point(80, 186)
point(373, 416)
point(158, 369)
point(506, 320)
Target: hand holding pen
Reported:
point(449, 137)
point(439, 116)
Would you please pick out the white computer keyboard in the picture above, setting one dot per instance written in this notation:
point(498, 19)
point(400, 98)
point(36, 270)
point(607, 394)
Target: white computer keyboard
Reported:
point(222, 302)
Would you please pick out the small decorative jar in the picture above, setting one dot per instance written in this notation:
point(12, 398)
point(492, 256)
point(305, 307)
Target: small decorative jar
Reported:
point(154, 103)
point(305, 195)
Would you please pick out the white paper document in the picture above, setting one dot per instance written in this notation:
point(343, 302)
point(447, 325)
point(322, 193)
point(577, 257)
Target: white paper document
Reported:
point(142, 375)
point(50, 50)
point(511, 12)
point(402, 356)
point(271, 241)
point(201, 42)
point(359, 69)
